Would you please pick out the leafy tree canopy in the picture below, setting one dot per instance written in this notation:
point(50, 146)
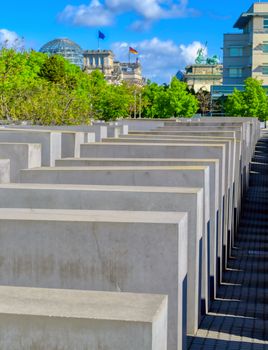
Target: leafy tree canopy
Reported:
point(49, 90)
point(252, 102)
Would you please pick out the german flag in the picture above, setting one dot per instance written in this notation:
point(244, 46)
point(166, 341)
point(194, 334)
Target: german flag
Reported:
point(131, 50)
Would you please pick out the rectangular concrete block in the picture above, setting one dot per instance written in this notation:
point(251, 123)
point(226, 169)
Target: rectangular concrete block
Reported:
point(172, 176)
point(159, 150)
point(101, 131)
point(90, 137)
point(49, 140)
point(71, 137)
point(72, 319)
point(21, 156)
point(142, 124)
point(113, 131)
point(135, 198)
point(70, 143)
point(4, 171)
point(229, 175)
point(137, 252)
point(216, 183)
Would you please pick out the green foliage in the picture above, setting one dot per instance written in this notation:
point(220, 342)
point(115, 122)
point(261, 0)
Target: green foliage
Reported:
point(51, 91)
point(167, 101)
point(53, 69)
point(204, 99)
point(252, 102)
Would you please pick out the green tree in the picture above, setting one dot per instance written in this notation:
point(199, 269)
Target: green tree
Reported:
point(165, 101)
point(204, 99)
point(53, 69)
point(252, 102)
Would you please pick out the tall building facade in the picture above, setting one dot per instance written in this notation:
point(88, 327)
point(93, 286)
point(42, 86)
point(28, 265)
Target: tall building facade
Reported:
point(245, 54)
point(114, 71)
point(203, 76)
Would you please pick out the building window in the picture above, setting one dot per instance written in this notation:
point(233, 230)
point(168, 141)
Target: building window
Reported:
point(265, 23)
point(265, 70)
point(235, 72)
point(236, 51)
point(265, 47)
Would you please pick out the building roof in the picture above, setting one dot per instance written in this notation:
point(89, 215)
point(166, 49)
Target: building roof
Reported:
point(66, 48)
point(245, 17)
point(243, 20)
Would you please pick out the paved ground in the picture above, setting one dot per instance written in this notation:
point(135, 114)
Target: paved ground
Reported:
point(238, 318)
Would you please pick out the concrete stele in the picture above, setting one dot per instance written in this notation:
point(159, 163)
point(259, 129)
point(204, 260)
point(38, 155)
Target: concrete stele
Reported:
point(140, 252)
point(41, 318)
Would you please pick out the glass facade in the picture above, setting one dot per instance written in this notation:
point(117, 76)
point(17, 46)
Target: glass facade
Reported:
point(235, 72)
point(236, 51)
point(265, 47)
point(265, 22)
point(66, 48)
point(265, 70)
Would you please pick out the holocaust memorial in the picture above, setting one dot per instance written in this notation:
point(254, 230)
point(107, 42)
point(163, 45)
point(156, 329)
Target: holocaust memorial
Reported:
point(135, 235)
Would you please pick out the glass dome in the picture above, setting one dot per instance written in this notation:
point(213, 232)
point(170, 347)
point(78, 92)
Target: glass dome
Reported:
point(66, 48)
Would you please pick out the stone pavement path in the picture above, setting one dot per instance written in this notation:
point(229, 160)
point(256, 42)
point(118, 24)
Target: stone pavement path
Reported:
point(238, 318)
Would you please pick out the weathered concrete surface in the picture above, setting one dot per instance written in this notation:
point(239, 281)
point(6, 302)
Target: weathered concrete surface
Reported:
point(136, 198)
point(216, 191)
point(50, 142)
point(176, 176)
point(237, 168)
point(4, 171)
point(21, 156)
point(230, 155)
point(41, 318)
point(114, 131)
point(100, 131)
point(142, 124)
point(159, 150)
point(140, 252)
point(71, 137)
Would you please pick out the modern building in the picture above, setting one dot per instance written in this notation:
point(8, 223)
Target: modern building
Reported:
point(89, 60)
point(245, 54)
point(203, 76)
point(66, 48)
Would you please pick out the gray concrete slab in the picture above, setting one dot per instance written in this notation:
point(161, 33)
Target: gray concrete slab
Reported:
point(216, 191)
point(193, 132)
point(140, 252)
point(114, 131)
point(72, 319)
point(50, 141)
point(100, 131)
point(135, 198)
point(21, 156)
point(238, 168)
point(70, 139)
point(4, 171)
point(175, 176)
point(71, 142)
point(159, 150)
point(229, 175)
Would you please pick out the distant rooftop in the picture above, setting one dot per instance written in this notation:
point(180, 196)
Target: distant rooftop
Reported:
point(245, 17)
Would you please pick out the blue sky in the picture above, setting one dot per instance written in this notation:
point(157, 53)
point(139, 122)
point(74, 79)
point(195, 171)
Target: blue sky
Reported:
point(167, 33)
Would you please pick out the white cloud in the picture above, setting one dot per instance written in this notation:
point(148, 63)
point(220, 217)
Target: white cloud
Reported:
point(160, 59)
point(92, 15)
point(10, 39)
point(104, 12)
